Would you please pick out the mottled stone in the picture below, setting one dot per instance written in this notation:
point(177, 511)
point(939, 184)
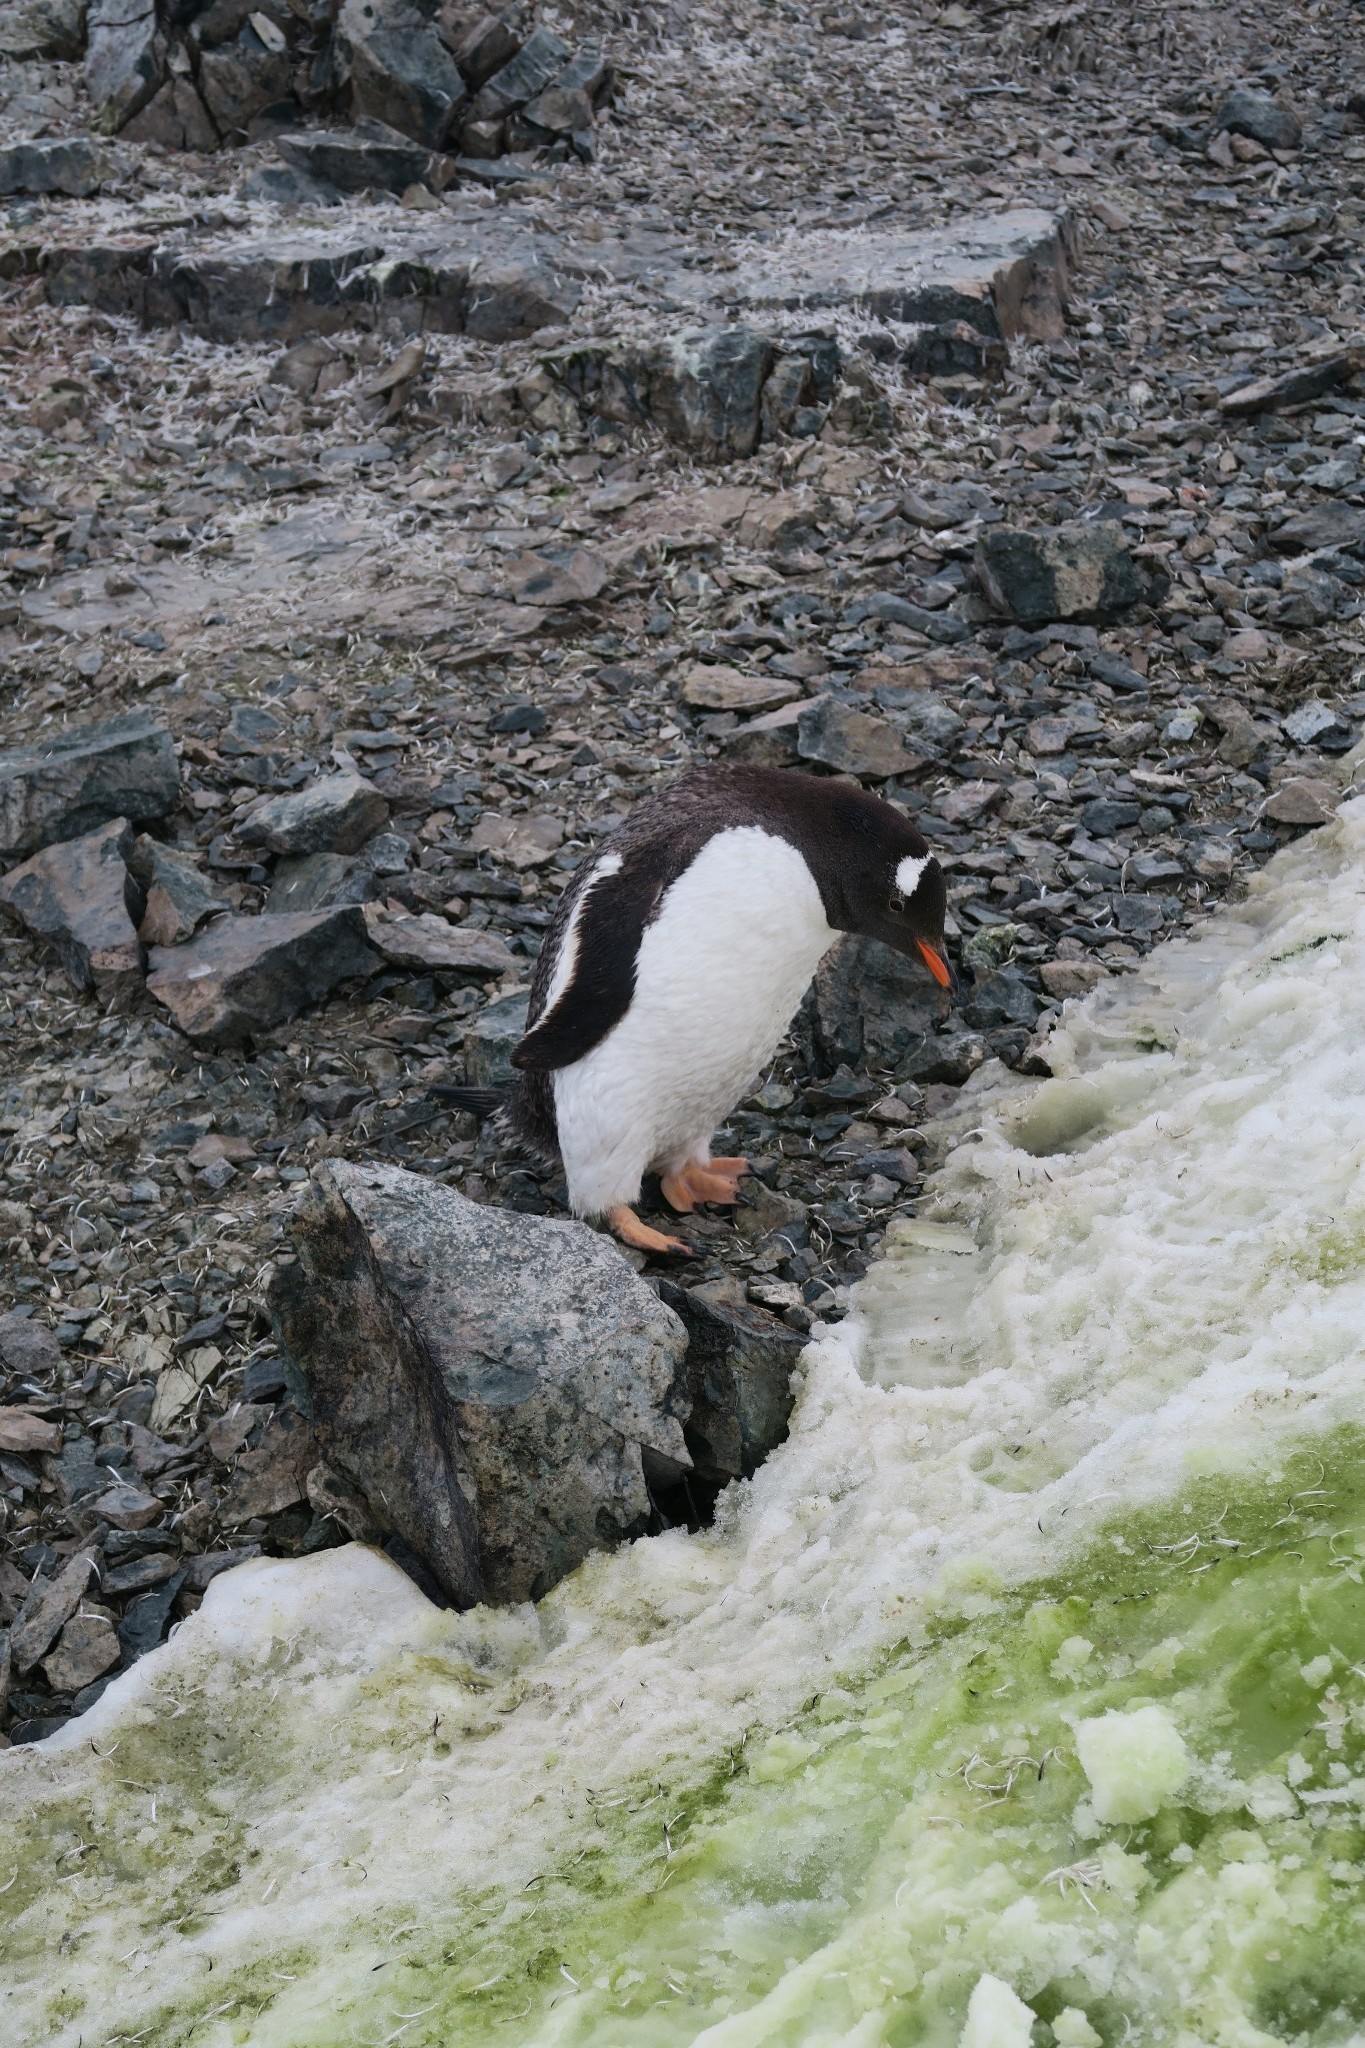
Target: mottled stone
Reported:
point(1083, 570)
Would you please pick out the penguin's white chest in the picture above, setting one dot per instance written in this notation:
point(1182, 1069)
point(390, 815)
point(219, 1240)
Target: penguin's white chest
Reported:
point(719, 974)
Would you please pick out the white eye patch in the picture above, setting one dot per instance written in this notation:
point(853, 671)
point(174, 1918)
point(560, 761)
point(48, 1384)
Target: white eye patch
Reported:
point(910, 872)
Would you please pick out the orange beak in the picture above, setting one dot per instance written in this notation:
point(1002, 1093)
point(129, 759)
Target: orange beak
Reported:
point(935, 962)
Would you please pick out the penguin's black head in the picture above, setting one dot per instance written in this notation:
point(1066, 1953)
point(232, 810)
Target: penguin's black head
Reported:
point(888, 885)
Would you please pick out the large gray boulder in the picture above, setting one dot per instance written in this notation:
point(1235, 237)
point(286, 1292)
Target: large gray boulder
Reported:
point(82, 776)
point(1248, 112)
point(563, 1371)
point(702, 388)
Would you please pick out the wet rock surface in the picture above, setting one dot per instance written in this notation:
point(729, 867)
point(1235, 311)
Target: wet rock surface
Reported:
point(298, 482)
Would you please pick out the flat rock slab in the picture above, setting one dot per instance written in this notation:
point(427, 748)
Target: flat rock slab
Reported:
point(357, 163)
point(562, 1369)
point(74, 166)
point(852, 742)
point(428, 941)
point(245, 974)
point(1003, 273)
point(80, 899)
point(712, 686)
point(248, 290)
point(82, 776)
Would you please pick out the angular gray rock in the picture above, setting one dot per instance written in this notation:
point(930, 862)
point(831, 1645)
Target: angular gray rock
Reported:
point(380, 1408)
point(1322, 527)
point(562, 1369)
point(702, 388)
point(240, 79)
point(739, 1367)
point(1248, 112)
point(87, 1647)
point(537, 64)
point(179, 896)
point(1294, 387)
point(176, 118)
point(316, 881)
point(44, 28)
point(1083, 570)
point(82, 776)
point(851, 741)
point(49, 1607)
point(955, 348)
point(872, 1008)
point(334, 815)
point(1302, 800)
point(245, 974)
point(483, 48)
point(706, 389)
point(401, 72)
point(79, 898)
point(283, 185)
point(73, 165)
point(373, 158)
point(1314, 724)
point(125, 58)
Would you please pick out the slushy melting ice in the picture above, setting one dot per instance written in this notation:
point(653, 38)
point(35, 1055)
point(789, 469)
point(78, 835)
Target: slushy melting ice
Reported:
point(1021, 1697)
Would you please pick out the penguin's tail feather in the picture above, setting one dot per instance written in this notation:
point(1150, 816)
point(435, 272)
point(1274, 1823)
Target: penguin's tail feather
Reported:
point(481, 1102)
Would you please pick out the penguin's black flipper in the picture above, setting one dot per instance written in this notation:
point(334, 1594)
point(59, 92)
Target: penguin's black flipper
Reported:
point(476, 1101)
point(606, 938)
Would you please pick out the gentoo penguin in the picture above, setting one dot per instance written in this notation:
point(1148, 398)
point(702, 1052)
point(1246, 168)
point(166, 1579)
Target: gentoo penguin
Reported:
point(674, 963)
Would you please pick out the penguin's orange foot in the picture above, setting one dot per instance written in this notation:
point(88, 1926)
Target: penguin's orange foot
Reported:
point(716, 1180)
point(632, 1231)
point(677, 1191)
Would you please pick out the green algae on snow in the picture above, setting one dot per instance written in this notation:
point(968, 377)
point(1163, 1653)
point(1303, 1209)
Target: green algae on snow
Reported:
point(850, 1878)
point(866, 1866)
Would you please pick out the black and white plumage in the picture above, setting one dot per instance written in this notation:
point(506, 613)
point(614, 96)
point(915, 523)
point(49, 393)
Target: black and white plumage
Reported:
point(677, 957)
